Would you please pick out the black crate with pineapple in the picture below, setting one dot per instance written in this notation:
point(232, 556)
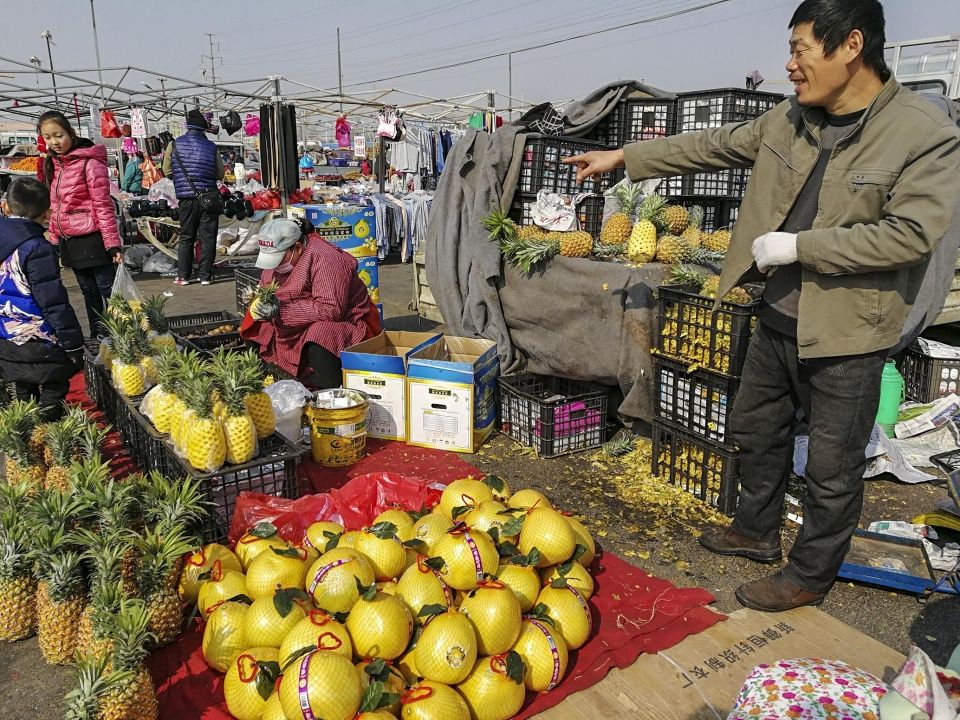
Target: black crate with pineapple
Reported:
point(699, 402)
point(542, 166)
point(555, 416)
point(691, 332)
point(706, 470)
point(925, 377)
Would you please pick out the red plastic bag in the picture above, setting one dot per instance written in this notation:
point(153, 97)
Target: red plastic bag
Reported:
point(291, 517)
point(108, 125)
point(366, 496)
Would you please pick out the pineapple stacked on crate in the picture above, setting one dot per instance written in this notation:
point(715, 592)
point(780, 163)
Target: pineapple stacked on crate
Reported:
point(89, 562)
point(698, 360)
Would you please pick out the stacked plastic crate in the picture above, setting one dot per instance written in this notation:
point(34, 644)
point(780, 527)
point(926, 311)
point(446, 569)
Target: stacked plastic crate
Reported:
point(698, 364)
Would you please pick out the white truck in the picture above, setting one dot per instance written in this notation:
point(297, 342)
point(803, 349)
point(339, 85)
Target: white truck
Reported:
point(930, 65)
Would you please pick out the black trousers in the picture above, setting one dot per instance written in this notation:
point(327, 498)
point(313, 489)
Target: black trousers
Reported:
point(95, 284)
point(197, 224)
point(326, 369)
point(40, 372)
point(49, 395)
point(839, 397)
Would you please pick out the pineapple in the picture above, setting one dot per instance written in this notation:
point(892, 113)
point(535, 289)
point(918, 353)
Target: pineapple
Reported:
point(17, 586)
point(62, 440)
point(528, 233)
point(22, 462)
point(128, 375)
point(686, 275)
point(618, 226)
point(118, 311)
point(711, 286)
point(239, 430)
point(675, 219)
point(132, 696)
point(90, 442)
point(502, 228)
point(59, 600)
point(264, 304)
point(259, 405)
point(602, 250)
point(145, 351)
point(94, 683)
point(155, 322)
point(164, 398)
point(577, 243)
point(694, 233)
point(222, 363)
point(206, 446)
point(191, 366)
point(524, 255)
point(717, 241)
point(642, 245)
point(106, 591)
point(169, 503)
point(672, 249)
point(159, 555)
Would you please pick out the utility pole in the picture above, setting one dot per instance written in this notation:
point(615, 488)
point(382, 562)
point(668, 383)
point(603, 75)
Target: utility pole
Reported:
point(510, 87)
point(339, 71)
point(213, 64)
point(48, 36)
point(96, 47)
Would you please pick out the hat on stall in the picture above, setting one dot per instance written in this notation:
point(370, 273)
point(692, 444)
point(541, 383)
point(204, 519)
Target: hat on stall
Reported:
point(274, 239)
point(195, 119)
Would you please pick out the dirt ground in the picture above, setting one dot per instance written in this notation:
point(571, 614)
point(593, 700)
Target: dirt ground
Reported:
point(640, 519)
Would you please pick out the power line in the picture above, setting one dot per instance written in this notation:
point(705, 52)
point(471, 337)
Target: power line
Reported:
point(664, 16)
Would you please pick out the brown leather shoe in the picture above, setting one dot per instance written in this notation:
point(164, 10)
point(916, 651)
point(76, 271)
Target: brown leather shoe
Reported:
point(725, 541)
point(776, 593)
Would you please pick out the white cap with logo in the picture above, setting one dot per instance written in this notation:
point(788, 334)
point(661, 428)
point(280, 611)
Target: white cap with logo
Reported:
point(274, 239)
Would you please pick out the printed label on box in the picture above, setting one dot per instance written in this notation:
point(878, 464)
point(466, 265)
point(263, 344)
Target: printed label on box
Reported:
point(441, 414)
point(387, 397)
point(350, 228)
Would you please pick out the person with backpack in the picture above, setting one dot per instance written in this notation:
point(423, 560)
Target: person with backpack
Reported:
point(83, 222)
point(41, 342)
point(195, 165)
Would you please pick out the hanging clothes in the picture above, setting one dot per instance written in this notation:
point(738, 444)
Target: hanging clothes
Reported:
point(343, 131)
point(138, 123)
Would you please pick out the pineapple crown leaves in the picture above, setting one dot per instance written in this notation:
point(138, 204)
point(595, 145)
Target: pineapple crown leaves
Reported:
point(684, 274)
point(235, 384)
point(63, 574)
point(375, 697)
point(619, 446)
point(197, 396)
point(17, 422)
point(62, 439)
point(171, 502)
point(168, 364)
point(105, 601)
point(501, 227)
point(130, 634)
point(533, 252)
point(158, 552)
point(91, 439)
point(15, 557)
point(14, 496)
point(284, 598)
point(650, 207)
point(154, 311)
point(627, 197)
point(93, 683)
point(126, 347)
point(695, 216)
point(55, 509)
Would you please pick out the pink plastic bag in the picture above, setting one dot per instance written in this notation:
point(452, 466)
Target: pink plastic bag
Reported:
point(342, 129)
point(251, 125)
point(366, 496)
point(291, 517)
point(570, 419)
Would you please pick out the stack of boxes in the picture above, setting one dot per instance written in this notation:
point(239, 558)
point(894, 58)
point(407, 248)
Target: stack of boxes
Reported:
point(719, 193)
point(427, 389)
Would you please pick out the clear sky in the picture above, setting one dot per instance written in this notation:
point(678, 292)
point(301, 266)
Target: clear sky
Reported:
point(705, 48)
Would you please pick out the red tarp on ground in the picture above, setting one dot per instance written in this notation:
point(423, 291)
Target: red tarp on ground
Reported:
point(633, 612)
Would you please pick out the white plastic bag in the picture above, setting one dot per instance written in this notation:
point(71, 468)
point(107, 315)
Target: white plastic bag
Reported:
point(288, 398)
point(163, 190)
point(124, 286)
point(553, 211)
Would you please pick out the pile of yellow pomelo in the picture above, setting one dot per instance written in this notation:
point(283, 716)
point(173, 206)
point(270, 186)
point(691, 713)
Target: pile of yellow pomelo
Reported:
point(449, 615)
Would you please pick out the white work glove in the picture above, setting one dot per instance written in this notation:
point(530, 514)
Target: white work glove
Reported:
point(774, 249)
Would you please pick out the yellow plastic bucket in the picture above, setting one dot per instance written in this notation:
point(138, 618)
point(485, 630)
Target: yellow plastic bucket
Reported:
point(338, 426)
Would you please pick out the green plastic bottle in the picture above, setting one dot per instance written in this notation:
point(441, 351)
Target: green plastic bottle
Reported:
point(891, 395)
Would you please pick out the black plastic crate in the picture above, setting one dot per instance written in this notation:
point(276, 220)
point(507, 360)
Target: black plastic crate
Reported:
point(273, 472)
point(699, 402)
point(691, 332)
point(670, 187)
point(717, 212)
point(552, 415)
point(713, 108)
point(708, 471)
point(926, 378)
point(590, 212)
point(636, 119)
point(246, 279)
point(147, 447)
point(185, 323)
point(98, 382)
point(541, 167)
point(723, 183)
point(201, 331)
point(208, 343)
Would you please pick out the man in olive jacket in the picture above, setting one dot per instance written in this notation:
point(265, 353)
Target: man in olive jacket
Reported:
point(855, 181)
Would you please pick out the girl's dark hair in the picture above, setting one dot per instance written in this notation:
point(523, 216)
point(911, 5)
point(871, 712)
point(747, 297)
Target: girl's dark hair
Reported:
point(57, 117)
point(834, 20)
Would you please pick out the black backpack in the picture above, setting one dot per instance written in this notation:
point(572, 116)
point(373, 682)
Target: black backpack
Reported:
point(231, 122)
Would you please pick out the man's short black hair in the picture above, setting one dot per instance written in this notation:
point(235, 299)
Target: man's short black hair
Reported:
point(28, 197)
point(834, 20)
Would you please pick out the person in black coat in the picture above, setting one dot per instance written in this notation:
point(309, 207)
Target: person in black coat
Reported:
point(41, 342)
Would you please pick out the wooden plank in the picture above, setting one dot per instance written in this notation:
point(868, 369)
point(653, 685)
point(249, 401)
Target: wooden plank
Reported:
point(701, 676)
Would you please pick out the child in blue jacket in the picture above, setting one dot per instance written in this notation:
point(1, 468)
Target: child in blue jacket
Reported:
point(41, 343)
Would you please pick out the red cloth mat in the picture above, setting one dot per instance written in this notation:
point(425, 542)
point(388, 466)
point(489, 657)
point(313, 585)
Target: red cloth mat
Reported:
point(633, 613)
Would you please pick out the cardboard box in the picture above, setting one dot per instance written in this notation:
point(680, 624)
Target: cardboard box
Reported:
point(452, 394)
point(368, 268)
point(352, 228)
point(378, 367)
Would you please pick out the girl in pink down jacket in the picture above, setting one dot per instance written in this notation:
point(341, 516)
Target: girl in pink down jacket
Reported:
point(82, 220)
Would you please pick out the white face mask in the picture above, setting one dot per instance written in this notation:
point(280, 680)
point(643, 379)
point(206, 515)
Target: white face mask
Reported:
point(284, 268)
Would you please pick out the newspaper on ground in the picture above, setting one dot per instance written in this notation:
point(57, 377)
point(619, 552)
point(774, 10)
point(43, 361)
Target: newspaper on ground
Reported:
point(941, 558)
point(916, 419)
